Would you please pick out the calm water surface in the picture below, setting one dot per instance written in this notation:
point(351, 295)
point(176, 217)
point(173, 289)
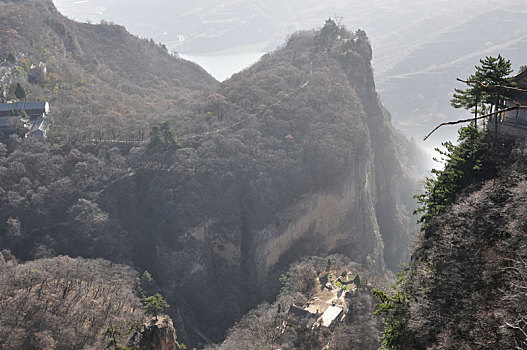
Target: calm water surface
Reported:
point(222, 65)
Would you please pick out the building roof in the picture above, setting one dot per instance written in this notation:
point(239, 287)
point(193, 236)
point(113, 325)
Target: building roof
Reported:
point(521, 79)
point(330, 315)
point(39, 106)
point(5, 122)
point(299, 312)
point(341, 280)
point(40, 125)
point(8, 122)
point(522, 73)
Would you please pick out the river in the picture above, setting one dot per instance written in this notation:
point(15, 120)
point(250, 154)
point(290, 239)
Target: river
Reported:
point(223, 64)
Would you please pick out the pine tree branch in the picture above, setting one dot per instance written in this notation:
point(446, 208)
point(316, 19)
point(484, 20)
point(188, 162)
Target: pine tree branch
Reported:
point(489, 86)
point(471, 119)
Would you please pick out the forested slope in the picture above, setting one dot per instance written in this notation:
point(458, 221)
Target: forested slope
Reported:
point(294, 156)
point(465, 285)
point(101, 82)
point(65, 303)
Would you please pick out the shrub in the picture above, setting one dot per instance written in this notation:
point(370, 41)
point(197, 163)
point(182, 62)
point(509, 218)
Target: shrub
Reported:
point(395, 305)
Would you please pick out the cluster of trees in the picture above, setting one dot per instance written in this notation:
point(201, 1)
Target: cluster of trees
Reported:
point(465, 163)
point(48, 200)
point(65, 303)
point(73, 303)
point(163, 138)
point(486, 91)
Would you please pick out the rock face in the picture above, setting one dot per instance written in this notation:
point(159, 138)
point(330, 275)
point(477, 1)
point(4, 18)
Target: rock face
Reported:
point(312, 166)
point(158, 334)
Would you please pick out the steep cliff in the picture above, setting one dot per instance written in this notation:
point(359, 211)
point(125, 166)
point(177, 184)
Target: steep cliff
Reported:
point(465, 285)
point(306, 163)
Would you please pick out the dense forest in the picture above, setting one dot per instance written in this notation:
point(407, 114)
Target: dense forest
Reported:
point(90, 294)
point(215, 189)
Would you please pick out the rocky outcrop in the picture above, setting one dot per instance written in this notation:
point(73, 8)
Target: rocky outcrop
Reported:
point(157, 334)
point(342, 220)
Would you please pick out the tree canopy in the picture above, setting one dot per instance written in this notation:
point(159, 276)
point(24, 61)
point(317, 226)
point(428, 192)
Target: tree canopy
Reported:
point(485, 86)
point(155, 304)
point(163, 138)
point(463, 162)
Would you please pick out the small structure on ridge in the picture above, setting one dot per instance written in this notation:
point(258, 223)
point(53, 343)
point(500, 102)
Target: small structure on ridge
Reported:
point(27, 118)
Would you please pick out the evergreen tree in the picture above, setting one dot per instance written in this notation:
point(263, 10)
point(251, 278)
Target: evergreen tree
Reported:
point(494, 72)
point(169, 136)
point(485, 86)
point(147, 286)
point(156, 139)
point(395, 306)
point(155, 304)
point(163, 138)
point(20, 92)
point(470, 98)
point(463, 163)
point(356, 280)
point(114, 335)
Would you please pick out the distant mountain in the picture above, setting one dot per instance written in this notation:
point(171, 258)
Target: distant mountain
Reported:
point(417, 87)
point(420, 47)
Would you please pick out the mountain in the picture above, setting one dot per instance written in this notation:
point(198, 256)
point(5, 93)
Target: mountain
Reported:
point(427, 74)
point(464, 286)
point(97, 75)
point(420, 47)
point(215, 189)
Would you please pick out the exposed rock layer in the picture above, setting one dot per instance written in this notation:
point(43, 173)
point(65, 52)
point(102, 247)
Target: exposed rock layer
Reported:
point(158, 334)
